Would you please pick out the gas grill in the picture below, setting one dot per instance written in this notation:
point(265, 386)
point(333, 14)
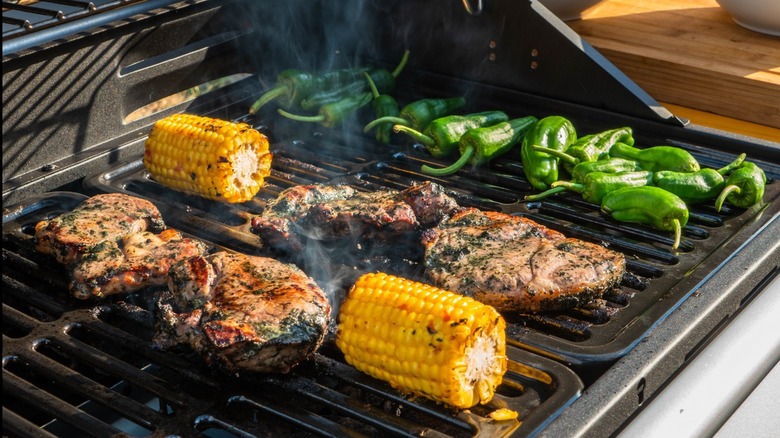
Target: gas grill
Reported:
point(84, 81)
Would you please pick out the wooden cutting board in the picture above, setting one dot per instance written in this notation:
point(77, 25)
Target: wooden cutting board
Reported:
point(689, 53)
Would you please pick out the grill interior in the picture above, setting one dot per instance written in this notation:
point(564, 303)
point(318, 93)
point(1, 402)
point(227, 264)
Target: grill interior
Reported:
point(84, 368)
point(586, 337)
point(71, 367)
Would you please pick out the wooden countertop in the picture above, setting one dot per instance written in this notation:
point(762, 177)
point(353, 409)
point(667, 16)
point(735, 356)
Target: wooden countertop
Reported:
point(691, 57)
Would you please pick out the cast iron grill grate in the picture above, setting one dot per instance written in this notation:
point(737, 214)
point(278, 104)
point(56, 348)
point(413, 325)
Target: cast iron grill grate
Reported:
point(77, 368)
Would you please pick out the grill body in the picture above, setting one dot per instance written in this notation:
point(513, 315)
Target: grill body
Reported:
point(80, 97)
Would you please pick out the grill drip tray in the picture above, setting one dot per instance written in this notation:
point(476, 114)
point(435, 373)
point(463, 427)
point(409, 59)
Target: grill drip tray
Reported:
point(73, 367)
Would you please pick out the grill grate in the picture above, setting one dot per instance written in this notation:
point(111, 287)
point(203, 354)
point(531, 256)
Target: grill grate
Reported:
point(586, 337)
point(22, 17)
point(72, 368)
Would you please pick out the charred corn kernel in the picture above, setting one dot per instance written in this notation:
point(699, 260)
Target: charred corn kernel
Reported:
point(423, 340)
point(212, 158)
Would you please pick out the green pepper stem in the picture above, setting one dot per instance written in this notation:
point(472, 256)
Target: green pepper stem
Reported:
point(386, 119)
point(544, 194)
point(268, 96)
point(314, 119)
point(401, 64)
point(415, 134)
point(579, 188)
point(677, 233)
point(726, 191)
point(733, 165)
point(371, 84)
point(452, 168)
point(558, 154)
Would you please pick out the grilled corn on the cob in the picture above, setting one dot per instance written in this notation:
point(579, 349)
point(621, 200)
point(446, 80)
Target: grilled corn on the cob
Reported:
point(423, 340)
point(212, 158)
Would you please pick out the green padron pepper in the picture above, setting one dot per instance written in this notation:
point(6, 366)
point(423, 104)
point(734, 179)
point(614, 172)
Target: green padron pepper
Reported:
point(596, 185)
point(608, 165)
point(648, 205)
point(420, 113)
point(442, 135)
point(480, 145)
point(582, 170)
point(657, 158)
point(294, 85)
point(553, 132)
point(695, 187)
point(332, 114)
point(384, 105)
point(744, 187)
point(590, 147)
point(383, 81)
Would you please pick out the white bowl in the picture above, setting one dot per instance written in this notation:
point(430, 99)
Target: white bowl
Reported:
point(569, 9)
point(758, 15)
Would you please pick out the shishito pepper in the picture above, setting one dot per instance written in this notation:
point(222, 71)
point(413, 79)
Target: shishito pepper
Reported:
point(480, 145)
point(333, 114)
point(695, 187)
point(744, 187)
point(384, 105)
point(553, 132)
point(420, 113)
point(596, 185)
point(648, 205)
point(442, 135)
point(657, 158)
point(590, 147)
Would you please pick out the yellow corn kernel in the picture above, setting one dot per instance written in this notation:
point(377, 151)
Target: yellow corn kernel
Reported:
point(423, 340)
point(208, 157)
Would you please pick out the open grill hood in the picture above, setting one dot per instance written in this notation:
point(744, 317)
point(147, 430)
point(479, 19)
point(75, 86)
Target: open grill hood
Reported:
point(73, 92)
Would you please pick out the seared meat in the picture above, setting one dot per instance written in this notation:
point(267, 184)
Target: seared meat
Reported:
point(101, 218)
point(140, 260)
point(429, 203)
point(515, 264)
point(243, 312)
point(327, 213)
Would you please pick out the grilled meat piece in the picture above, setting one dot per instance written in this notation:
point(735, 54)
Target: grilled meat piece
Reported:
point(429, 203)
point(243, 312)
point(140, 260)
point(327, 213)
point(515, 264)
point(101, 218)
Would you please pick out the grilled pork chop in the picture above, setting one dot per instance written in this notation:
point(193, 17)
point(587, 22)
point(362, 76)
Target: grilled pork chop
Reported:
point(243, 312)
point(140, 260)
point(332, 212)
point(101, 218)
point(515, 264)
